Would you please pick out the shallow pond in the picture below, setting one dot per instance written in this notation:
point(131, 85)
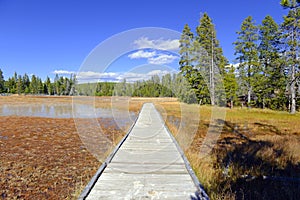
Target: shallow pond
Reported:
point(63, 110)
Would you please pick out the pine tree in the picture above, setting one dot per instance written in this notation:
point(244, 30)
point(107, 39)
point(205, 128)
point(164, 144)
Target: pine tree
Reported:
point(34, 85)
point(231, 86)
point(19, 85)
point(26, 84)
point(183, 90)
point(166, 82)
point(291, 36)
point(212, 64)
point(13, 83)
point(57, 85)
point(246, 49)
point(188, 71)
point(290, 3)
point(121, 87)
point(186, 42)
point(48, 84)
point(67, 86)
point(9, 85)
point(270, 78)
point(62, 86)
point(73, 81)
point(2, 82)
point(40, 86)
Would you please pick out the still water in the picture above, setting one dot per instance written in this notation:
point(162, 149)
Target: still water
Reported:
point(63, 110)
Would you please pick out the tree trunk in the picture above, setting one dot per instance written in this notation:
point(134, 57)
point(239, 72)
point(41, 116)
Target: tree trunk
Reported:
point(293, 105)
point(293, 92)
point(293, 85)
point(249, 98)
point(212, 97)
point(212, 81)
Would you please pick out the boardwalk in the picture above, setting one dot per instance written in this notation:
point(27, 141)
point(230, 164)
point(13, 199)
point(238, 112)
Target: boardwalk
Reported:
point(148, 165)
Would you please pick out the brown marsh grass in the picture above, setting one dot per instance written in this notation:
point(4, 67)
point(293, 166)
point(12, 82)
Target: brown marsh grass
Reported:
point(256, 156)
point(44, 158)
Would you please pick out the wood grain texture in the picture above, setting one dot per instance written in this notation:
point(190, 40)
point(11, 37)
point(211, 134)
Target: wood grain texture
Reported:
point(148, 165)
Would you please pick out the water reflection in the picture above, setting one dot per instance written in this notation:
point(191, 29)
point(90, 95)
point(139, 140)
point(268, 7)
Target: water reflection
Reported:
point(62, 111)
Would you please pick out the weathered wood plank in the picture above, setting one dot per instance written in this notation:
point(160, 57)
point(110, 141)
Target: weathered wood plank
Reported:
point(143, 168)
point(148, 165)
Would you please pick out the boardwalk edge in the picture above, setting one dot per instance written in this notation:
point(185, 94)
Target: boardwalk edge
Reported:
point(86, 191)
point(201, 192)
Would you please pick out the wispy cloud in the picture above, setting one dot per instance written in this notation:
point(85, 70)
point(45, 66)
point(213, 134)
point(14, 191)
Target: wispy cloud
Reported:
point(142, 54)
point(162, 59)
point(89, 76)
point(153, 57)
point(160, 44)
point(235, 65)
point(63, 72)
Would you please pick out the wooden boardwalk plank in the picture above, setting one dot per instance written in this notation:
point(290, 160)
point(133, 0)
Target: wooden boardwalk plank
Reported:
point(148, 165)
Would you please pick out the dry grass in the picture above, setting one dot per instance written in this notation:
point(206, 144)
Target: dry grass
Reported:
point(44, 158)
point(41, 158)
point(253, 144)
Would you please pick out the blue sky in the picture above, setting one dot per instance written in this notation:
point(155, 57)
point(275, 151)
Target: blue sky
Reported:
point(42, 37)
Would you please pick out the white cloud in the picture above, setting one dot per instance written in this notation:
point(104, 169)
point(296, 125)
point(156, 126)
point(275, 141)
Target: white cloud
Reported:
point(236, 65)
point(63, 72)
point(161, 44)
point(162, 59)
point(153, 57)
point(89, 76)
point(142, 54)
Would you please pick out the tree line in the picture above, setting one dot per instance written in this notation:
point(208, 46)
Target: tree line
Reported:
point(23, 84)
point(168, 85)
point(267, 74)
